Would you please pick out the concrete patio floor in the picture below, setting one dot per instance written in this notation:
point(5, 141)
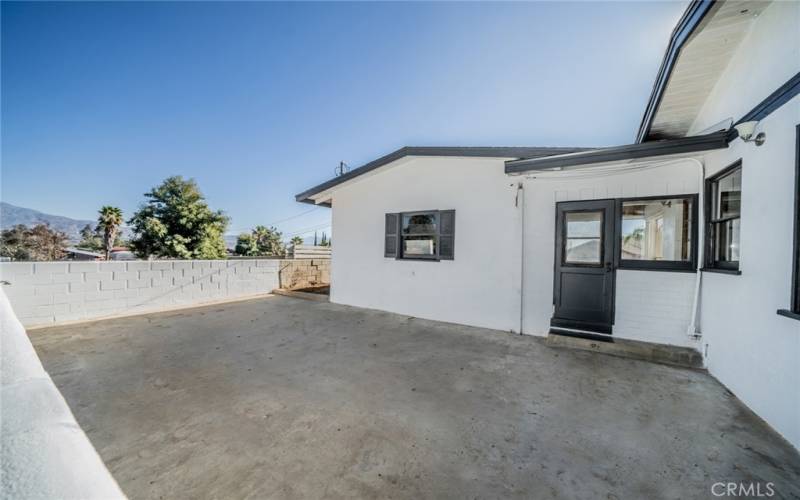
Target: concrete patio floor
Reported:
point(285, 398)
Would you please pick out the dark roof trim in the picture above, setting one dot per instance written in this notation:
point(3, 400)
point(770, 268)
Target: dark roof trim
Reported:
point(716, 140)
point(774, 101)
point(691, 18)
point(481, 152)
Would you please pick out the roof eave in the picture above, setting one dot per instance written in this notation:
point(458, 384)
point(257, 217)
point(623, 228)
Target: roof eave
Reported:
point(308, 195)
point(715, 140)
point(690, 20)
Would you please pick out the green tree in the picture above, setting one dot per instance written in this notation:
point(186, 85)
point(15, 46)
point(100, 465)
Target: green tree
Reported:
point(37, 243)
point(246, 245)
point(269, 240)
point(176, 222)
point(261, 241)
point(90, 239)
point(108, 221)
point(296, 240)
point(14, 243)
point(324, 242)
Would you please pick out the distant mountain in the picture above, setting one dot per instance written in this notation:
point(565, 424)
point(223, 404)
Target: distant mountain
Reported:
point(11, 215)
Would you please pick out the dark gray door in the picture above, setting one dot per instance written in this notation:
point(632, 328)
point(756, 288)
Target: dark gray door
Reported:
point(583, 290)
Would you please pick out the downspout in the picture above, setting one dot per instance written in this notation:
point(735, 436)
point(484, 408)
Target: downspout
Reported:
point(693, 330)
point(519, 202)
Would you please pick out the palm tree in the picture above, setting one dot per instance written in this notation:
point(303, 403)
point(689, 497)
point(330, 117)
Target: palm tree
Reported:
point(297, 240)
point(109, 221)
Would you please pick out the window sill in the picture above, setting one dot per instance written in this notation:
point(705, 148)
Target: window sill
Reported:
point(789, 314)
point(721, 271)
point(659, 269)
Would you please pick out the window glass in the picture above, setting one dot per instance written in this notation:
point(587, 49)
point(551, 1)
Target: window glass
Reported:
point(726, 241)
point(583, 233)
point(583, 250)
point(728, 195)
point(419, 223)
point(584, 224)
point(726, 203)
point(419, 234)
point(656, 230)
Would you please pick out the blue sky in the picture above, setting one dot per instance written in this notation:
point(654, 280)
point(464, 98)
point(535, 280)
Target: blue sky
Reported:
point(259, 101)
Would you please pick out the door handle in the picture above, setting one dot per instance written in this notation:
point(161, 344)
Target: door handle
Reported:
point(609, 267)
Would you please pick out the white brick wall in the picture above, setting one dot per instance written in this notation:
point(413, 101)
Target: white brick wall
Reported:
point(654, 306)
point(53, 292)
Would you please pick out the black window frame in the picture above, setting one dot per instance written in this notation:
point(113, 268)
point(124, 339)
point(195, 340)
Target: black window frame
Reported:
point(401, 237)
point(688, 266)
point(794, 305)
point(796, 252)
point(395, 234)
point(711, 263)
point(565, 238)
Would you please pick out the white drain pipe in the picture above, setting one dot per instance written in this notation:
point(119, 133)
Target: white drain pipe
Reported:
point(519, 202)
point(693, 330)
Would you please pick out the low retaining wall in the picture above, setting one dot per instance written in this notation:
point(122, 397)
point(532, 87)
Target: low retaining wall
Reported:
point(45, 452)
point(43, 293)
point(302, 273)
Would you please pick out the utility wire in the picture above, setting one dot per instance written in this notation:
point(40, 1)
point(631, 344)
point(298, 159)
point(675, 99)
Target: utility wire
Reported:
point(308, 230)
point(278, 222)
point(294, 216)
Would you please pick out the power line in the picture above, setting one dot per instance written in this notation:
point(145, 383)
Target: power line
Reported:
point(308, 230)
point(293, 216)
point(234, 232)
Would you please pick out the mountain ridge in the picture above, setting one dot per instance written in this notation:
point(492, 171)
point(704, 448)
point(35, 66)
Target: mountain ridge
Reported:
point(11, 215)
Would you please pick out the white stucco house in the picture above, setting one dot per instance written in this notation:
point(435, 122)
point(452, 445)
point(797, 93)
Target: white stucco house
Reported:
point(687, 237)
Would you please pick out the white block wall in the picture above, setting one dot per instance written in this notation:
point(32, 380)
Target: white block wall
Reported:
point(45, 452)
point(52, 292)
point(654, 307)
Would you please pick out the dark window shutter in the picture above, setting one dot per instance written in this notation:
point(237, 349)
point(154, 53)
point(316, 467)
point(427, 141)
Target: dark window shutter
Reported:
point(390, 235)
point(447, 234)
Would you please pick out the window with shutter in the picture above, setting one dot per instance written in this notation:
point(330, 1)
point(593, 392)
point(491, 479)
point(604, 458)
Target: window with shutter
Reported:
point(447, 227)
point(390, 235)
point(427, 235)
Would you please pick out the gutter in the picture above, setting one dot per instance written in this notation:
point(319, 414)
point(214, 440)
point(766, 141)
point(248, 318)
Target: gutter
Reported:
point(714, 140)
point(434, 151)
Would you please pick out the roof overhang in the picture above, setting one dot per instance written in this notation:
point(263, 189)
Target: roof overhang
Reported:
point(80, 251)
point(700, 48)
point(684, 145)
point(320, 194)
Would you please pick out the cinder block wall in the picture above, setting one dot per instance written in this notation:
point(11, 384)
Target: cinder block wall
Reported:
point(302, 273)
point(43, 293)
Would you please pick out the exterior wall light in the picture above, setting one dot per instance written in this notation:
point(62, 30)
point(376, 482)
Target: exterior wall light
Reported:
point(746, 131)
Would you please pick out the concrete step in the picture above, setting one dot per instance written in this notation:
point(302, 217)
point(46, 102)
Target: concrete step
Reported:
point(657, 353)
point(316, 297)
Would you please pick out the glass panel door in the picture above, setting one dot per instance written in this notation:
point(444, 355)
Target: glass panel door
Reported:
point(583, 237)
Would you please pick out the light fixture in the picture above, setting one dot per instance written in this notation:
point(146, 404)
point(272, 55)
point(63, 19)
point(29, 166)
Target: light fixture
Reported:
point(746, 131)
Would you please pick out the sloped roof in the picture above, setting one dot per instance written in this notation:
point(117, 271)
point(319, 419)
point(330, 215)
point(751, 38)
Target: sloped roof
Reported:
point(700, 48)
point(475, 152)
